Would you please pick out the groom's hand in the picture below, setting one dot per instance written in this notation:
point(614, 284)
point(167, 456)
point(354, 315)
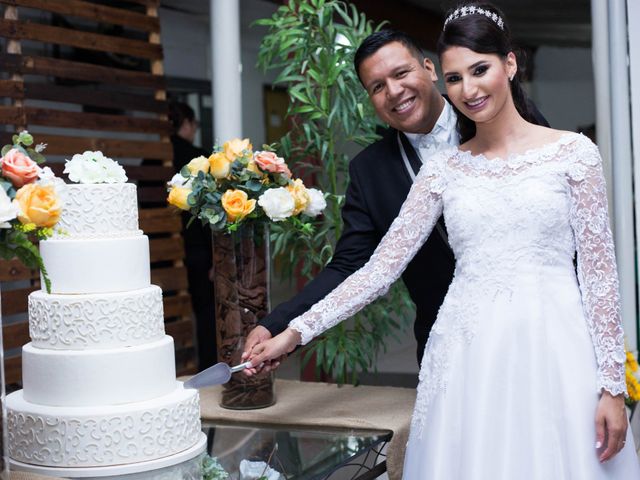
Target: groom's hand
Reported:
point(258, 335)
point(270, 353)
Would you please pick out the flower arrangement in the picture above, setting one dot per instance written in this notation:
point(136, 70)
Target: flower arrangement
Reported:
point(29, 204)
point(235, 185)
point(632, 372)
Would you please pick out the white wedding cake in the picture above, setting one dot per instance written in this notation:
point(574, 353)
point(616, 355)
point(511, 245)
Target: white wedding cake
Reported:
point(100, 395)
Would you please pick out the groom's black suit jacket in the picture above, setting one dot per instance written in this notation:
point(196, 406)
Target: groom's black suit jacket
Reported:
point(379, 183)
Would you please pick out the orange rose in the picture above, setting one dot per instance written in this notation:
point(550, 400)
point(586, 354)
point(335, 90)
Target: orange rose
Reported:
point(19, 168)
point(237, 204)
point(300, 196)
point(235, 148)
point(219, 165)
point(38, 204)
point(178, 197)
point(270, 162)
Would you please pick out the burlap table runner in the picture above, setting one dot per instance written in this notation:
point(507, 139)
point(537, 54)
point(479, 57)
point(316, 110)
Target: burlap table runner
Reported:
point(310, 404)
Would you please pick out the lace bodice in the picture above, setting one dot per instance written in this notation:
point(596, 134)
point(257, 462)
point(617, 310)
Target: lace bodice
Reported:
point(505, 217)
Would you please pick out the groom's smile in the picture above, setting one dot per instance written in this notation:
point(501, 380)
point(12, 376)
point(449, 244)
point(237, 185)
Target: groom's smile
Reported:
point(401, 88)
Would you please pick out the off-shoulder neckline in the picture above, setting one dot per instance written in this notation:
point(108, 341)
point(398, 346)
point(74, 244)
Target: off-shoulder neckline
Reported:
point(564, 139)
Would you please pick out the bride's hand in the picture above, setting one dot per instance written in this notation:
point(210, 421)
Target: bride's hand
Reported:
point(273, 349)
point(611, 425)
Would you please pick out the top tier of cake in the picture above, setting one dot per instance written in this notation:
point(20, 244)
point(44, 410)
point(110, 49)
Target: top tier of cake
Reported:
point(104, 210)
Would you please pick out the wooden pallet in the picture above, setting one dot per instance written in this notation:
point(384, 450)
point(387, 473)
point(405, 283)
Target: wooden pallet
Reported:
point(58, 72)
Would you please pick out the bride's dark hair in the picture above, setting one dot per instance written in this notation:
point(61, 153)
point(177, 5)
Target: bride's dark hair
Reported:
point(482, 34)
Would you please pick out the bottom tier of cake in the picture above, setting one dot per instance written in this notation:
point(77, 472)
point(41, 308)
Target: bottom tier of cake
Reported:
point(185, 465)
point(103, 436)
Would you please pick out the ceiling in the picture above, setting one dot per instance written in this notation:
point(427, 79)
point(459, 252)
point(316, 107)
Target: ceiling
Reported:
point(533, 22)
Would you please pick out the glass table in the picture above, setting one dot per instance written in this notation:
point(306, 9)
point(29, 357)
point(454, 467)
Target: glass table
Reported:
point(290, 454)
point(299, 454)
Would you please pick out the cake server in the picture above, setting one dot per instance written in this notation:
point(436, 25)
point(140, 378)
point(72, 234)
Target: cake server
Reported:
point(216, 375)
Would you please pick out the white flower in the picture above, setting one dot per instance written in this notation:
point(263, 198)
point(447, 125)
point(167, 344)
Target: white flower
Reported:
point(316, 204)
point(249, 469)
point(94, 167)
point(47, 177)
point(179, 181)
point(8, 210)
point(277, 203)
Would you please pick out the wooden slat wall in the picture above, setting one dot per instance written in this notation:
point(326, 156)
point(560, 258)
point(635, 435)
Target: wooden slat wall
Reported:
point(106, 103)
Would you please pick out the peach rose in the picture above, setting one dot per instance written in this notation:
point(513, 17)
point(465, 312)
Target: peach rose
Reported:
point(270, 162)
point(19, 168)
point(237, 204)
point(198, 164)
point(38, 204)
point(300, 196)
point(235, 148)
point(219, 165)
point(178, 197)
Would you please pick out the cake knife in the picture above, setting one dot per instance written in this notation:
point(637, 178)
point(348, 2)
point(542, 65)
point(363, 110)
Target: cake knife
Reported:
point(216, 375)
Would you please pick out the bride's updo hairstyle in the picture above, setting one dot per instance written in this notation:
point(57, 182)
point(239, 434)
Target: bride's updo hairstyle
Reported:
point(482, 27)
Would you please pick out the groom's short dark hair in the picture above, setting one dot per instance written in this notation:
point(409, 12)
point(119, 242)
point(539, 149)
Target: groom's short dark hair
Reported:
point(379, 39)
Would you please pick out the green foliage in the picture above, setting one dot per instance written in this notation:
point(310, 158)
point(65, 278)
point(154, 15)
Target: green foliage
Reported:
point(311, 43)
point(212, 470)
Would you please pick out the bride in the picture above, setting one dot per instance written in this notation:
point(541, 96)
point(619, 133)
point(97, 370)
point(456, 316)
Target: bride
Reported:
point(523, 375)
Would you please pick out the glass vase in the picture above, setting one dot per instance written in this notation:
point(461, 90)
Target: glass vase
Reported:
point(241, 286)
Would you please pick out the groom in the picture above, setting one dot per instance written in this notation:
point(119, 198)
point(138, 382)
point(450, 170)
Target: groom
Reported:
point(400, 83)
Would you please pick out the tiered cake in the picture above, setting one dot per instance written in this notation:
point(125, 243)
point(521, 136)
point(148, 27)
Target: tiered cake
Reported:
point(100, 393)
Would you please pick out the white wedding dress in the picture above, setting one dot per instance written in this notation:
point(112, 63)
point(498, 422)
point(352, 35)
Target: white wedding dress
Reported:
point(521, 348)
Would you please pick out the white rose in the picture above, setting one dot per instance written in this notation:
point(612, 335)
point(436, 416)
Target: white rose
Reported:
point(94, 167)
point(47, 177)
point(316, 204)
point(179, 181)
point(277, 203)
point(8, 210)
point(113, 171)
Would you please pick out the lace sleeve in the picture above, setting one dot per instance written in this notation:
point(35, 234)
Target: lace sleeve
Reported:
point(597, 273)
point(407, 233)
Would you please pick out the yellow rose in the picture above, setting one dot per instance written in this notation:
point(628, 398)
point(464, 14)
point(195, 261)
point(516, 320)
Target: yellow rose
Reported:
point(178, 197)
point(237, 204)
point(38, 204)
point(234, 148)
point(198, 164)
point(219, 165)
point(300, 195)
point(252, 167)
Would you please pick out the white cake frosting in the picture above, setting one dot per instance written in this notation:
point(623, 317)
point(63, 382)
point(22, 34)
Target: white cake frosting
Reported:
point(97, 265)
point(98, 377)
point(105, 320)
point(100, 392)
point(101, 436)
point(99, 211)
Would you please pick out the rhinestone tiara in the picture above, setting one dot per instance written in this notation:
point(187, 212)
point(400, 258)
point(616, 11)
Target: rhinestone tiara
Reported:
point(464, 11)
